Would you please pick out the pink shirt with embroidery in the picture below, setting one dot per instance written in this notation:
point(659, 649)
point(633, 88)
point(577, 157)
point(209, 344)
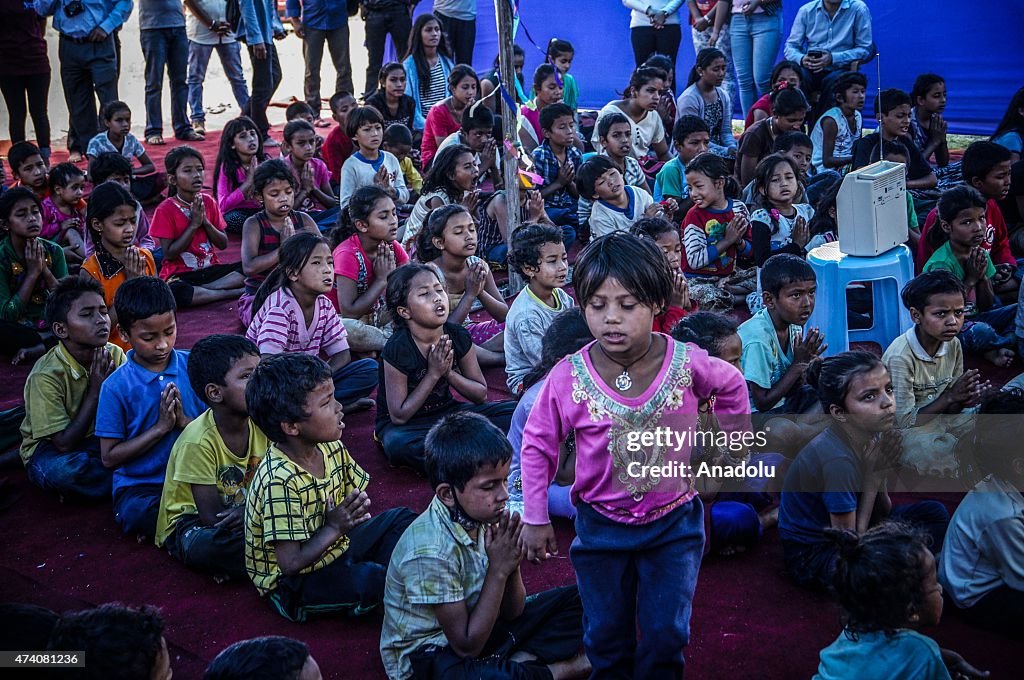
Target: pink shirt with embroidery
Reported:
point(575, 398)
point(54, 219)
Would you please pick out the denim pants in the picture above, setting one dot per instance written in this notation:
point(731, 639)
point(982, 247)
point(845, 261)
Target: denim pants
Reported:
point(637, 575)
point(755, 44)
point(166, 48)
point(266, 77)
point(355, 380)
point(990, 330)
point(136, 508)
point(734, 512)
point(88, 71)
point(230, 55)
point(78, 473)
point(313, 55)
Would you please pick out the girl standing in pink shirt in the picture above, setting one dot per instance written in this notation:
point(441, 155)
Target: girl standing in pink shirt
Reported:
point(629, 396)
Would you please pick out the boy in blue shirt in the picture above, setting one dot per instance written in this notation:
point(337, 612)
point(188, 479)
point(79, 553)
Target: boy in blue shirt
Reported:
point(145, 404)
point(557, 160)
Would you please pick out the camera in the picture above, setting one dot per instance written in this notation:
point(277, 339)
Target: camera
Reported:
point(73, 8)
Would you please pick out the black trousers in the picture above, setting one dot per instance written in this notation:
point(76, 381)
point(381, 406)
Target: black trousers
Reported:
point(88, 71)
point(352, 583)
point(266, 77)
point(550, 628)
point(461, 36)
point(215, 550)
point(1001, 610)
point(395, 21)
point(183, 285)
point(15, 337)
point(34, 88)
point(647, 41)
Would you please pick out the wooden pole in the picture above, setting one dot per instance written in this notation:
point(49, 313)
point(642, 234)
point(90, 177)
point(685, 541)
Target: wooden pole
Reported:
point(510, 167)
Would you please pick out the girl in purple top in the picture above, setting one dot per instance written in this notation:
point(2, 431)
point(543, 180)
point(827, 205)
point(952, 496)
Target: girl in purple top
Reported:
point(631, 399)
point(241, 150)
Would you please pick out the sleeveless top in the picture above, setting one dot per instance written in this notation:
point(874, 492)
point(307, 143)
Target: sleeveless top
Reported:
point(270, 240)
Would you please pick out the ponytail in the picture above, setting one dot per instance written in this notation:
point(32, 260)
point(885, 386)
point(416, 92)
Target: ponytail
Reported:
point(705, 58)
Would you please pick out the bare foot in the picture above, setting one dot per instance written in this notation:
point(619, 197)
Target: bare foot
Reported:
point(1000, 357)
point(358, 405)
point(576, 667)
point(27, 356)
point(769, 519)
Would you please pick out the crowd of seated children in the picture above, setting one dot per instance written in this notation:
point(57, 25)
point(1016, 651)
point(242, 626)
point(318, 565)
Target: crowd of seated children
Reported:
point(202, 507)
point(111, 218)
point(398, 141)
point(58, 447)
point(144, 404)
point(538, 255)
point(115, 168)
point(926, 365)
point(264, 231)
point(885, 581)
point(338, 146)
point(705, 98)
point(556, 160)
point(715, 231)
point(959, 239)
point(615, 205)
point(789, 109)
point(690, 138)
point(448, 242)
point(311, 545)
point(455, 605)
point(666, 236)
point(785, 71)
point(390, 99)
point(239, 154)
point(567, 333)
point(740, 510)
point(428, 64)
point(303, 111)
point(64, 211)
point(839, 127)
point(478, 131)
point(634, 380)
point(147, 183)
point(369, 164)
point(445, 117)
point(982, 562)
point(28, 168)
point(640, 105)
point(190, 229)
point(614, 131)
point(271, 656)
point(313, 192)
point(426, 357)
point(839, 479)
point(1009, 133)
point(30, 268)
point(560, 54)
point(547, 90)
point(293, 314)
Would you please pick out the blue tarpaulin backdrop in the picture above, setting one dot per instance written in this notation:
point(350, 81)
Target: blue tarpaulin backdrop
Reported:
point(977, 47)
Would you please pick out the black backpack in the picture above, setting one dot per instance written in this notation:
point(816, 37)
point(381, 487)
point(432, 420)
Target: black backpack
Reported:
point(233, 17)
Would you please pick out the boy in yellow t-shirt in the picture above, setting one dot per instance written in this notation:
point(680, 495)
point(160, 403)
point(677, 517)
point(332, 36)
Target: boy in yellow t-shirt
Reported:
point(310, 543)
point(203, 502)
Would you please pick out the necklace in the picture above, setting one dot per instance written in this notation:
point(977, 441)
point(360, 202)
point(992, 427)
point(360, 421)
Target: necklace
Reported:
point(624, 382)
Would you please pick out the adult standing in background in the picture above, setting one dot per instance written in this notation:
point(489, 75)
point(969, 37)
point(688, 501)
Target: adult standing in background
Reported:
point(654, 29)
point(24, 72)
point(755, 29)
point(458, 19)
point(827, 36)
point(165, 46)
point(317, 22)
point(208, 31)
point(261, 27)
point(383, 17)
point(88, 60)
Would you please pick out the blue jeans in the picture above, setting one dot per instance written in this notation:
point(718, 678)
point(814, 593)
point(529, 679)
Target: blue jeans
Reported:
point(734, 513)
point(633, 575)
point(990, 330)
point(166, 48)
point(230, 55)
point(136, 508)
point(76, 473)
point(755, 44)
point(355, 380)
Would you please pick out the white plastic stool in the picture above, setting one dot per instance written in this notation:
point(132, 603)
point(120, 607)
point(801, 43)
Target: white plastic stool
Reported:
point(835, 270)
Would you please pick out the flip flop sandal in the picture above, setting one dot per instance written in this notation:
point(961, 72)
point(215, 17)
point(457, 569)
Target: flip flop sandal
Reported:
point(155, 140)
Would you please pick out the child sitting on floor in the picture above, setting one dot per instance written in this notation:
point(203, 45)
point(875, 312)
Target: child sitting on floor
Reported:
point(294, 314)
point(616, 205)
point(690, 138)
point(122, 643)
point(113, 167)
point(64, 211)
point(398, 142)
point(268, 657)
point(30, 268)
point(567, 334)
point(538, 254)
point(189, 227)
point(959, 239)
point(427, 356)
point(477, 132)
point(147, 183)
point(556, 160)
point(705, 98)
point(981, 561)
point(303, 111)
point(666, 236)
point(448, 242)
point(311, 545)
point(450, 180)
point(927, 368)
point(234, 172)
point(58, 447)
point(111, 218)
point(789, 109)
point(365, 253)
point(839, 479)
point(455, 605)
point(145, 404)
point(29, 169)
point(395, 106)
point(338, 146)
point(615, 134)
point(202, 507)
point(313, 194)
point(264, 232)
point(370, 165)
point(839, 127)
point(886, 584)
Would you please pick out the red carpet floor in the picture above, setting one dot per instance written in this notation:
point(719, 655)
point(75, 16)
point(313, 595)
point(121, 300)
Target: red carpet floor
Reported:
point(748, 620)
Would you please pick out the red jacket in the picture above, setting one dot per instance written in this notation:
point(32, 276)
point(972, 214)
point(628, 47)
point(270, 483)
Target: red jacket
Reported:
point(667, 320)
point(997, 238)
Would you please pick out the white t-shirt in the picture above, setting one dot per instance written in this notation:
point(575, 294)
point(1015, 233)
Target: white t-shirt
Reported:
point(649, 131)
point(845, 137)
point(604, 218)
point(196, 30)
